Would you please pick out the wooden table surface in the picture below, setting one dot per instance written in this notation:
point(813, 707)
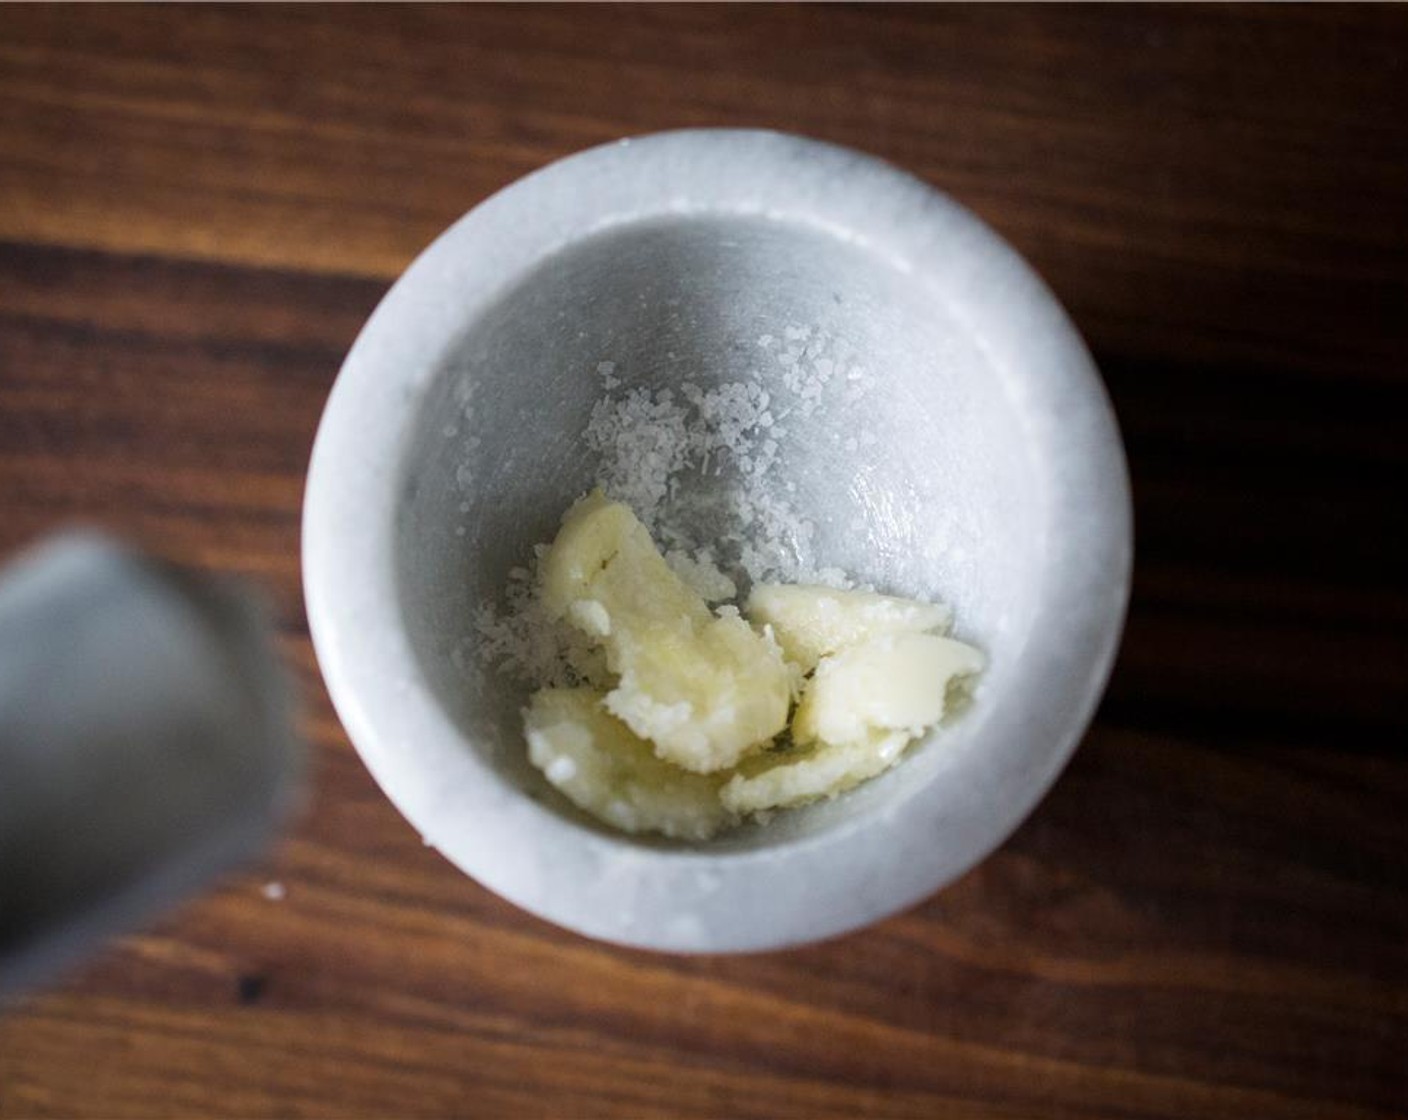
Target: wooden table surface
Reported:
point(1209, 914)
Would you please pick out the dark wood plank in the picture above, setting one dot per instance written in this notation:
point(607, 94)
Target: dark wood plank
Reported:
point(1202, 183)
point(1209, 914)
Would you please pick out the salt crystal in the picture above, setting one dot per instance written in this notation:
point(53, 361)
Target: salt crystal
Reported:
point(561, 769)
point(273, 891)
point(653, 450)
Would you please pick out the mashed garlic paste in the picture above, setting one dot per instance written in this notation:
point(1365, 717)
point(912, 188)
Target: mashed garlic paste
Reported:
point(687, 719)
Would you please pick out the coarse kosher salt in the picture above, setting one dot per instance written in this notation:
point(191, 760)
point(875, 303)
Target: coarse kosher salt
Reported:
point(655, 450)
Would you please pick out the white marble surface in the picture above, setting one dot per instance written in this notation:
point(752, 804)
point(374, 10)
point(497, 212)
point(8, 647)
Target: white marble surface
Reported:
point(997, 481)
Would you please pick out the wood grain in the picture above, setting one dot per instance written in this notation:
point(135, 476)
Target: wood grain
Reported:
point(1209, 914)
